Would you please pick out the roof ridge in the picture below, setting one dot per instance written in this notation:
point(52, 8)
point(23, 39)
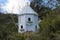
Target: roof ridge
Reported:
point(28, 9)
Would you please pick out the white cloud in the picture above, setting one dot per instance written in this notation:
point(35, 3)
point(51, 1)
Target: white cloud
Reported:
point(13, 5)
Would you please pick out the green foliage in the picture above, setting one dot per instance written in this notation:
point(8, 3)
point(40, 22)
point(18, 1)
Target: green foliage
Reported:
point(43, 9)
point(7, 27)
point(50, 25)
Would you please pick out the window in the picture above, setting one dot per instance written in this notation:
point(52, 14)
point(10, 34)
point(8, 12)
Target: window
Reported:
point(29, 19)
point(21, 27)
point(36, 27)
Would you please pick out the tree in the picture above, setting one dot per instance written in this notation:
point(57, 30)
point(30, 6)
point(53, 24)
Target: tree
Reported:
point(50, 27)
point(7, 26)
point(43, 8)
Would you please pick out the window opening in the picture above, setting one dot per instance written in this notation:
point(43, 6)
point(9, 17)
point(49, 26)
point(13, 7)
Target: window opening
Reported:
point(29, 19)
point(21, 26)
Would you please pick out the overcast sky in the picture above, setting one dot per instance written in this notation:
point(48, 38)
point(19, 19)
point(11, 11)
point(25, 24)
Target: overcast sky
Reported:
point(14, 5)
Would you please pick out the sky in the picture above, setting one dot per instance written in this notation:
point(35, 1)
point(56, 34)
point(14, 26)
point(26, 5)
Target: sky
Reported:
point(16, 6)
point(13, 6)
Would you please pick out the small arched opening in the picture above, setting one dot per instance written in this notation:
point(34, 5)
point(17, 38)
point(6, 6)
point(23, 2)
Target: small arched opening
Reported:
point(36, 27)
point(29, 19)
point(21, 26)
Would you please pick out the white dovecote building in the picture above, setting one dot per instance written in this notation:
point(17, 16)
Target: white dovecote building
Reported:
point(27, 20)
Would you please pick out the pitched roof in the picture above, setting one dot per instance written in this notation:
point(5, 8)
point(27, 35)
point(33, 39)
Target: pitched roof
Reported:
point(28, 10)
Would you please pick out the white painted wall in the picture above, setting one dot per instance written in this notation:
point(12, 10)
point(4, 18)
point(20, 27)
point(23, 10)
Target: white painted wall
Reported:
point(30, 26)
point(27, 12)
point(23, 19)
